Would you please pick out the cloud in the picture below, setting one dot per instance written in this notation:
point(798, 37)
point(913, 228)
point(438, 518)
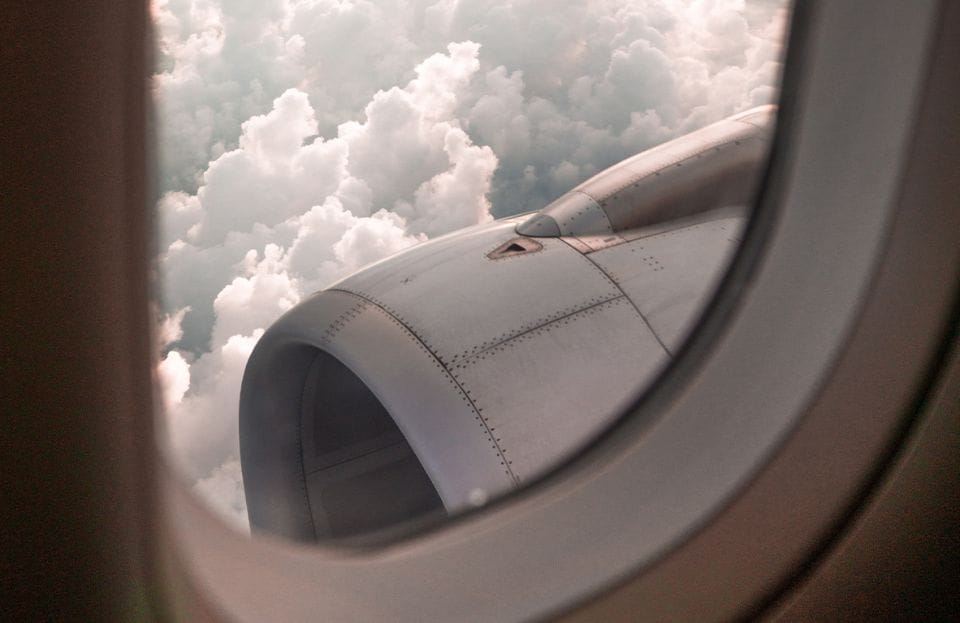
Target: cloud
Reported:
point(225, 62)
point(255, 300)
point(224, 489)
point(174, 376)
point(202, 424)
point(302, 139)
point(409, 157)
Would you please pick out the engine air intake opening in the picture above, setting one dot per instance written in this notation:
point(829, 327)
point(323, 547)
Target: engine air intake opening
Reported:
point(322, 458)
point(361, 474)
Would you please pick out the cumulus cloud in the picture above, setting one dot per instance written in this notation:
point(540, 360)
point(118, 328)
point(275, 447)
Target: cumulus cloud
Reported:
point(224, 488)
point(302, 139)
point(408, 168)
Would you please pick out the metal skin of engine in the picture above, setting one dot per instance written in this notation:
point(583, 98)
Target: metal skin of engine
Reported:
point(455, 371)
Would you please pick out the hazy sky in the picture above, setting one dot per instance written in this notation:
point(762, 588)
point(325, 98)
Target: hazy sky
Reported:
point(302, 139)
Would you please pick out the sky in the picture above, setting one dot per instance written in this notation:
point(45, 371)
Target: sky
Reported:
point(299, 140)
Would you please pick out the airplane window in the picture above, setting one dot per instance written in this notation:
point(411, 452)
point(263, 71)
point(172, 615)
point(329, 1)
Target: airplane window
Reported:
point(413, 256)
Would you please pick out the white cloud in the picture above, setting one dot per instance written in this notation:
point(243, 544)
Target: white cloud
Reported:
point(173, 372)
point(409, 156)
point(224, 489)
point(253, 301)
point(169, 328)
point(302, 139)
point(457, 197)
point(202, 425)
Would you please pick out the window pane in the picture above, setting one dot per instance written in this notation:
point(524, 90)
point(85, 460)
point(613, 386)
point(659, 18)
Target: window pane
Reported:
point(300, 141)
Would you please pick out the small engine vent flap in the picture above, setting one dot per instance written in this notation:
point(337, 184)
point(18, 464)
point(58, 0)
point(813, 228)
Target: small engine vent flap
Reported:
point(515, 246)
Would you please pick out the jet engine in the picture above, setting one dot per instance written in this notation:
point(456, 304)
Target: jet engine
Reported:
point(453, 372)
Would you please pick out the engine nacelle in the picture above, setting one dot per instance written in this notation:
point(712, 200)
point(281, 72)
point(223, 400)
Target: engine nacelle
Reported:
point(456, 370)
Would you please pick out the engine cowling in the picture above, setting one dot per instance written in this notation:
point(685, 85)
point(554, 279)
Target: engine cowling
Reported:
point(460, 368)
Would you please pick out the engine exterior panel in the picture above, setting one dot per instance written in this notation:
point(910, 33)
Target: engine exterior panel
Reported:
point(450, 373)
point(717, 166)
point(672, 274)
point(458, 300)
point(546, 392)
point(437, 417)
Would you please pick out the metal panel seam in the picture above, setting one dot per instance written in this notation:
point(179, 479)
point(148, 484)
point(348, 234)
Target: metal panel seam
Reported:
point(374, 304)
point(632, 303)
point(466, 359)
point(595, 204)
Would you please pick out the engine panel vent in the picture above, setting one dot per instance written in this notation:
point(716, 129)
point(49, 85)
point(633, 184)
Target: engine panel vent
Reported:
point(514, 247)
